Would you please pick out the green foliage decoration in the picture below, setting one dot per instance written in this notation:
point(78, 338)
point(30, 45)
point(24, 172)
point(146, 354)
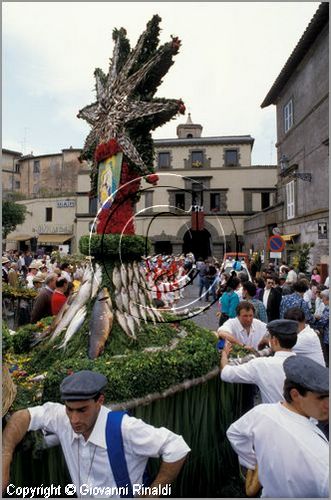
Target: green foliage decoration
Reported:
point(300, 259)
point(128, 247)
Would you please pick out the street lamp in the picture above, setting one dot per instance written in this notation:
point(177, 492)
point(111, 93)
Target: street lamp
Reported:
point(284, 161)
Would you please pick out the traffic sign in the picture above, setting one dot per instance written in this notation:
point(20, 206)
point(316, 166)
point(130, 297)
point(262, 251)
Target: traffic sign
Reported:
point(275, 243)
point(275, 255)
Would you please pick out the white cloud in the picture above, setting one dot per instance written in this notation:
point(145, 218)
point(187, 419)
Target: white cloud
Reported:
point(231, 54)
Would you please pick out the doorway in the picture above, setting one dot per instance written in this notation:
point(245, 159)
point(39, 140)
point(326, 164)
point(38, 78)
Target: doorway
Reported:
point(197, 242)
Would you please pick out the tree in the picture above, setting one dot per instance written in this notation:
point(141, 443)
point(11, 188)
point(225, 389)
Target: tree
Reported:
point(300, 259)
point(12, 215)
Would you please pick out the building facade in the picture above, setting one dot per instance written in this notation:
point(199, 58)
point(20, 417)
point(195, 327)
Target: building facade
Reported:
point(10, 171)
point(301, 96)
point(207, 187)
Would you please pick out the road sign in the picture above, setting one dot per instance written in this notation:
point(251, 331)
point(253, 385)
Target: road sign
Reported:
point(275, 243)
point(322, 230)
point(275, 255)
point(276, 231)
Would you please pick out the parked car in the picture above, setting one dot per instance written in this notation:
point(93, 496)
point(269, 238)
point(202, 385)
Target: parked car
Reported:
point(230, 263)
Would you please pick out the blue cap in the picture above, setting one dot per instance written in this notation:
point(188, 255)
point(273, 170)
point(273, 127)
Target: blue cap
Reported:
point(82, 385)
point(307, 373)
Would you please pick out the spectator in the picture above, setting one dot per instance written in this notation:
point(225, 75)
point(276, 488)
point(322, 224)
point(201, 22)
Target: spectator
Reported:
point(13, 275)
point(319, 304)
point(271, 298)
point(296, 300)
point(323, 325)
point(260, 284)
point(5, 269)
point(229, 301)
point(33, 269)
point(249, 292)
point(65, 271)
point(38, 282)
point(59, 295)
point(308, 343)
point(315, 275)
point(292, 276)
point(42, 305)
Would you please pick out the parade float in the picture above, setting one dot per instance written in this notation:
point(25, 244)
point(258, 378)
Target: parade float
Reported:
point(160, 366)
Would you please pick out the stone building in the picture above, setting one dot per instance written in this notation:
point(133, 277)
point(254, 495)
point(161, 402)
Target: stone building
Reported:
point(10, 171)
point(301, 96)
point(207, 188)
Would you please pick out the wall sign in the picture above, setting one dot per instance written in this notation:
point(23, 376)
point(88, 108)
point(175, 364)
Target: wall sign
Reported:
point(65, 203)
point(54, 229)
point(322, 230)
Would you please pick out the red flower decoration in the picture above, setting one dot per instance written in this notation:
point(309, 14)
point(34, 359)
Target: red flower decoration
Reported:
point(152, 179)
point(106, 150)
point(181, 107)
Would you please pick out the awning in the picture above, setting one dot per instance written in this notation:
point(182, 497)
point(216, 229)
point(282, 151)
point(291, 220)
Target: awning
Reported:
point(20, 237)
point(289, 237)
point(57, 239)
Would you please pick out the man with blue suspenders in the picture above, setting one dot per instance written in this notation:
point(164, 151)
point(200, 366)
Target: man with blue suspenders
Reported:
point(106, 452)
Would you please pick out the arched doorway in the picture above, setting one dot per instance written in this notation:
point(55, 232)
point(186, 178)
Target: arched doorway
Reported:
point(197, 242)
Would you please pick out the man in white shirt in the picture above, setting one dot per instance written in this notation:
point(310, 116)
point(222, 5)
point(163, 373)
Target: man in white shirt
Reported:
point(266, 372)
point(308, 343)
point(33, 270)
point(286, 448)
point(80, 426)
point(292, 276)
point(244, 330)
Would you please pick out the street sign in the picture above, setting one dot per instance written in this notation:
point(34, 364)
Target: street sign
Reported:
point(275, 255)
point(276, 231)
point(275, 243)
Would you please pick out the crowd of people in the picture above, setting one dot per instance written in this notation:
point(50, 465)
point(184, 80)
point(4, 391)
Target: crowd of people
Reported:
point(281, 319)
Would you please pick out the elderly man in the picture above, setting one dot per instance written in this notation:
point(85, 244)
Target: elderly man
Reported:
point(244, 330)
point(103, 449)
point(281, 442)
point(266, 372)
point(42, 306)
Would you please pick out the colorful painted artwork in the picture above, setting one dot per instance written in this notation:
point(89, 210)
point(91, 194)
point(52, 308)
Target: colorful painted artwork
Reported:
point(109, 179)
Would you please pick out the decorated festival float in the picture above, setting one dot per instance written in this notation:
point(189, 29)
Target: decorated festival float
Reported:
point(159, 366)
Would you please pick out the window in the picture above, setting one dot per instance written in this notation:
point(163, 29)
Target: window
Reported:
point(17, 185)
point(189, 136)
point(93, 205)
point(92, 227)
point(215, 202)
point(49, 214)
point(18, 168)
point(164, 160)
point(180, 200)
point(265, 200)
point(36, 167)
point(288, 115)
point(290, 202)
point(197, 158)
point(231, 157)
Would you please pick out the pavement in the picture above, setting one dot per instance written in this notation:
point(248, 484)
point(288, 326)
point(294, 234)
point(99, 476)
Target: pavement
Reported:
point(207, 318)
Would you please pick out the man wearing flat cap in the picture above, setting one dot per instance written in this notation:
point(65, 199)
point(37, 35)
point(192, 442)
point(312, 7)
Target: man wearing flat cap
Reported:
point(266, 372)
point(94, 459)
point(282, 441)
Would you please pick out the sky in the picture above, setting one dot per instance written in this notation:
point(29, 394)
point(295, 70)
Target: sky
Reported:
point(231, 54)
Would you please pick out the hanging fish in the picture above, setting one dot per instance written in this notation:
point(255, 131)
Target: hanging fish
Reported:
point(142, 298)
point(123, 323)
point(143, 314)
point(125, 299)
point(88, 273)
point(158, 315)
point(96, 282)
point(135, 287)
point(151, 315)
point(130, 273)
point(134, 313)
point(118, 301)
point(101, 324)
point(124, 275)
point(74, 326)
point(83, 295)
point(136, 271)
point(131, 325)
point(117, 279)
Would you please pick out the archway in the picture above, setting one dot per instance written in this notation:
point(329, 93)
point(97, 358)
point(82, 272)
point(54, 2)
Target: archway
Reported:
point(197, 242)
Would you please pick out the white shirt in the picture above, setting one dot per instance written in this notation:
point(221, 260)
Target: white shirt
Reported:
point(66, 275)
point(266, 294)
point(140, 440)
point(266, 372)
point(291, 452)
point(257, 331)
point(29, 280)
point(319, 307)
point(309, 345)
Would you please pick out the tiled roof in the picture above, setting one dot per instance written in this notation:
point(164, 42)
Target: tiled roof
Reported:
point(318, 22)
